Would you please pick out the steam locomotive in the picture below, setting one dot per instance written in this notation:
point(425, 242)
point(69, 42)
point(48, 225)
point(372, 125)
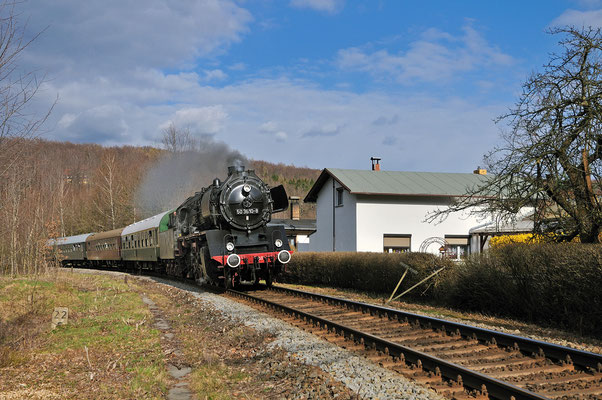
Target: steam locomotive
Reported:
point(220, 235)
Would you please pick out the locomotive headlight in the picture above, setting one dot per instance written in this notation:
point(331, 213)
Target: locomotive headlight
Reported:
point(246, 188)
point(233, 260)
point(284, 256)
point(229, 246)
point(278, 243)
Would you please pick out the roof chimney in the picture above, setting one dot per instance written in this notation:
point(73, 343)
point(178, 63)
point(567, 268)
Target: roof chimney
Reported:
point(375, 163)
point(295, 208)
point(480, 171)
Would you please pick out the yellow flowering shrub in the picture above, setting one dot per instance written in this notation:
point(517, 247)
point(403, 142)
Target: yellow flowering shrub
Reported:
point(529, 238)
point(503, 240)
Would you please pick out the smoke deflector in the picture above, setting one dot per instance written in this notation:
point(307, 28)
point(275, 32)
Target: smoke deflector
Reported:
point(279, 197)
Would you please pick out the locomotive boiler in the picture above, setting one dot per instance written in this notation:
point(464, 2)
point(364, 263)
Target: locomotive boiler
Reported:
point(223, 234)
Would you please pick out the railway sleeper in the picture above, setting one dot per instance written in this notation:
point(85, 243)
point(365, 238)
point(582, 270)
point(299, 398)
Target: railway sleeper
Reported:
point(494, 354)
point(415, 336)
point(517, 373)
point(522, 362)
point(453, 344)
point(578, 376)
point(452, 391)
point(573, 393)
point(469, 349)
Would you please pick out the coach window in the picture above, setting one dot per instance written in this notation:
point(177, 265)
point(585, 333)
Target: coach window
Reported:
point(339, 197)
point(394, 243)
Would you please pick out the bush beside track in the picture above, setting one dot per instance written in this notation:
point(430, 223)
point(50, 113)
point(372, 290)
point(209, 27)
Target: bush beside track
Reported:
point(554, 284)
point(371, 272)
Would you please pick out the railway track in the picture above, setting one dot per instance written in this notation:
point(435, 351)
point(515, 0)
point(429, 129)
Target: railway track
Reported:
point(457, 360)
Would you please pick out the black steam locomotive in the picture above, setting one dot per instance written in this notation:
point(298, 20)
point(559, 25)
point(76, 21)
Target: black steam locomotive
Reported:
point(223, 233)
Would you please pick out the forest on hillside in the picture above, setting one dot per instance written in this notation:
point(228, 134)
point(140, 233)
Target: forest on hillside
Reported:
point(52, 189)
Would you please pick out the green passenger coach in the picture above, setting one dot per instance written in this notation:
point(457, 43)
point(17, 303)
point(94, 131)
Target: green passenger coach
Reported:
point(140, 241)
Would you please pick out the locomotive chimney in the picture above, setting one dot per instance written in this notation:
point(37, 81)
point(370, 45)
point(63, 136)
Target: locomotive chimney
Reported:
point(295, 208)
point(235, 168)
point(375, 163)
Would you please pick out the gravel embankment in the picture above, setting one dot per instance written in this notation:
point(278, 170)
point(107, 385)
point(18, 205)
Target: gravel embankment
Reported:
point(359, 375)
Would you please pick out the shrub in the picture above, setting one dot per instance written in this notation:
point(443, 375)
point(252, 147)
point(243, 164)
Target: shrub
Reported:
point(556, 284)
point(373, 272)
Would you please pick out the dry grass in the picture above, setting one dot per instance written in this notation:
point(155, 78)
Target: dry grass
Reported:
point(101, 353)
point(231, 361)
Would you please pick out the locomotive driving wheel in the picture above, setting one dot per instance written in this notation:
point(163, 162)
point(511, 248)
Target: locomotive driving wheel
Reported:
point(269, 277)
point(229, 278)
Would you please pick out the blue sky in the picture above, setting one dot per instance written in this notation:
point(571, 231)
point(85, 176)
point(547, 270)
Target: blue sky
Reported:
point(317, 83)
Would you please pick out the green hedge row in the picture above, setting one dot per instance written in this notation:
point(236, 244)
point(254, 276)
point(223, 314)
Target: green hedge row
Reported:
point(373, 272)
point(554, 284)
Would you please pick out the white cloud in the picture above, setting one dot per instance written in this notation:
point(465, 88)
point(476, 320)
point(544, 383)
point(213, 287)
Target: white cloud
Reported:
point(436, 56)
point(111, 35)
point(272, 129)
point(281, 136)
point(328, 6)
point(329, 129)
point(215, 75)
point(287, 121)
point(579, 19)
point(104, 124)
point(200, 120)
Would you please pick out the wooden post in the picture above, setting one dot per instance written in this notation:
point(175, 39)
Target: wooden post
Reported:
point(422, 281)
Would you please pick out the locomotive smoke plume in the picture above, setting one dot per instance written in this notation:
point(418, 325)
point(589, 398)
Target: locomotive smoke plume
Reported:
point(176, 176)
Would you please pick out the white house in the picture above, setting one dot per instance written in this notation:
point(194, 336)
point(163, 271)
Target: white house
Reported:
point(373, 210)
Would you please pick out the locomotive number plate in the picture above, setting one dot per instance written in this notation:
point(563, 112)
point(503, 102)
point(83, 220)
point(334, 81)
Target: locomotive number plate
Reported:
point(247, 211)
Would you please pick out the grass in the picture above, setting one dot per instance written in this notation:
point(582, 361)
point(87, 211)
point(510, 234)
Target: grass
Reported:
point(106, 317)
point(214, 381)
point(110, 350)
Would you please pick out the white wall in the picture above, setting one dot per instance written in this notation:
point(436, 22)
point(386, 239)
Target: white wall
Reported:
point(379, 215)
point(302, 243)
point(344, 221)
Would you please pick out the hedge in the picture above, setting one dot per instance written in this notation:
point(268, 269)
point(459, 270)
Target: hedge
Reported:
point(372, 272)
point(554, 284)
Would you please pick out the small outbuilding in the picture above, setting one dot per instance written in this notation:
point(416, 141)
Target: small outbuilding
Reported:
point(375, 210)
point(297, 229)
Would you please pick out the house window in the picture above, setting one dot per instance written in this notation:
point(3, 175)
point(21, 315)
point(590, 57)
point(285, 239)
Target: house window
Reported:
point(394, 243)
point(457, 247)
point(339, 201)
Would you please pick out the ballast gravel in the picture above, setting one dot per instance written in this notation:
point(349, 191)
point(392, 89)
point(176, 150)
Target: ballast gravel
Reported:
point(363, 377)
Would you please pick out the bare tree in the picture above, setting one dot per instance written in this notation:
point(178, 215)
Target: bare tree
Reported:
point(551, 158)
point(17, 88)
point(177, 140)
point(110, 190)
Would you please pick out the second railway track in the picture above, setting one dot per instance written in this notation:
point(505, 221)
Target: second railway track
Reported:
point(457, 360)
